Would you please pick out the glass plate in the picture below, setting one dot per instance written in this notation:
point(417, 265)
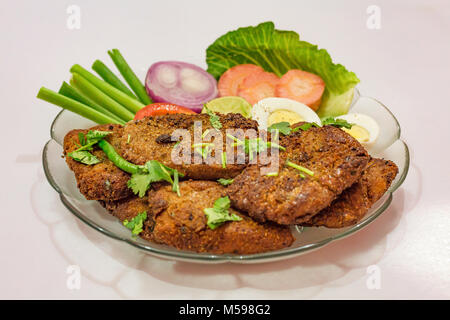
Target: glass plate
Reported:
point(390, 146)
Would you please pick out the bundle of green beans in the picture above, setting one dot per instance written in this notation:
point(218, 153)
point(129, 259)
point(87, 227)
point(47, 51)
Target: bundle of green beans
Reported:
point(105, 100)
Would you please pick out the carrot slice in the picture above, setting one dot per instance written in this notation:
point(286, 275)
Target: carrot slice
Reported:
point(302, 86)
point(230, 81)
point(258, 86)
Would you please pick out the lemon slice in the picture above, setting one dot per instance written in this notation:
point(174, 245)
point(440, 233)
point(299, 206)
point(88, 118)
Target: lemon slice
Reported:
point(229, 105)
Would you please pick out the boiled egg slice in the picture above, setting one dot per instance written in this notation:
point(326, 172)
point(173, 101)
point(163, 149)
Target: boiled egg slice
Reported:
point(273, 110)
point(364, 129)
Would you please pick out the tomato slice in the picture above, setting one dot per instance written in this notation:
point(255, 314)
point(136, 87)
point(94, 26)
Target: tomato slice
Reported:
point(161, 108)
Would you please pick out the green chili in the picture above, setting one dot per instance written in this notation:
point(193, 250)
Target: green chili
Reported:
point(115, 158)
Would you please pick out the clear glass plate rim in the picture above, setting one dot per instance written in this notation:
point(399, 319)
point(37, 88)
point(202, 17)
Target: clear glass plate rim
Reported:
point(196, 257)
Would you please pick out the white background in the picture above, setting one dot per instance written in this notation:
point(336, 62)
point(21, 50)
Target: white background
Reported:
point(405, 64)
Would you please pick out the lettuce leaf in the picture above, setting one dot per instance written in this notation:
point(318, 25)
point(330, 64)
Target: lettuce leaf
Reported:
point(279, 51)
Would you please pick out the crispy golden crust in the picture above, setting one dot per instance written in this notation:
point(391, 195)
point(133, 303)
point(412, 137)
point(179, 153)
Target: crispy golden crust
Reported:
point(354, 202)
point(180, 222)
point(336, 159)
point(102, 181)
point(149, 139)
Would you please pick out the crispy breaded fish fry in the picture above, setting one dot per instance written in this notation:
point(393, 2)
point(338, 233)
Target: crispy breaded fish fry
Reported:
point(333, 161)
point(353, 204)
point(102, 181)
point(150, 139)
point(180, 222)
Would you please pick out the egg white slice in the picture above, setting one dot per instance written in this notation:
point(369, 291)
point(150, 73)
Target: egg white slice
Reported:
point(365, 122)
point(265, 107)
point(389, 126)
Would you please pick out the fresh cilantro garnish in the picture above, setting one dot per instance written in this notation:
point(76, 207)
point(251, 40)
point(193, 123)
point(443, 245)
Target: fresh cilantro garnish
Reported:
point(214, 119)
point(219, 214)
point(299, 168)
point(205, 133)
point(204, 149)
point(153, 171)
point(136, 224)
point(283, 127)
point(225, 182)
point(87, 141)
point(91, 138)
point(340, 123)
point(306, 126)
point(81, 138)
point(175, 184)
point(256, 145)
point(84, 157)
point(224, 160)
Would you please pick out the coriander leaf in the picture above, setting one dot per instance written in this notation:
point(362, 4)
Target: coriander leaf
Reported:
point(139, 183)
point(299, 168)
point(87, 141)
point(136, 224)
point(96, 135)
point(154, 171)
point(252, 146)
point(224, 160)
point(82, 138)
point(225, 182)
point(306, 126)
point(214, 119)
point(84, 157)
point(283, 127)
point(337, 123)
point(279, 51)
point(175, 185)
point(204, 149)
point(219, 214)
point(91, 138)
point(222, 203)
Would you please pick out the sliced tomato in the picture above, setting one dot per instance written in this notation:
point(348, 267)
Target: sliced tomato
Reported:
point(161, 108)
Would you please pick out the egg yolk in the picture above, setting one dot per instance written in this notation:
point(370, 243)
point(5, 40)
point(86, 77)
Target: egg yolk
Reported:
point(358, 132)
point(284, 116)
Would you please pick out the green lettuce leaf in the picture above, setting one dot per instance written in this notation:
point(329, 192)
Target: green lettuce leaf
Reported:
point(279, 51)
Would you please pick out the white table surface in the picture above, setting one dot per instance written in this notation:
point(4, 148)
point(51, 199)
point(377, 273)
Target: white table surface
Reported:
point(405, 64)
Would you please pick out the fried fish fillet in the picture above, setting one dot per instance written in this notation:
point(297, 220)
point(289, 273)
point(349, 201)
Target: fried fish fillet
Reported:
point(102, 181)
point(292, 197)
point(354, 202)
point(144, 140)
point(150, 139)
point(180, 222)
